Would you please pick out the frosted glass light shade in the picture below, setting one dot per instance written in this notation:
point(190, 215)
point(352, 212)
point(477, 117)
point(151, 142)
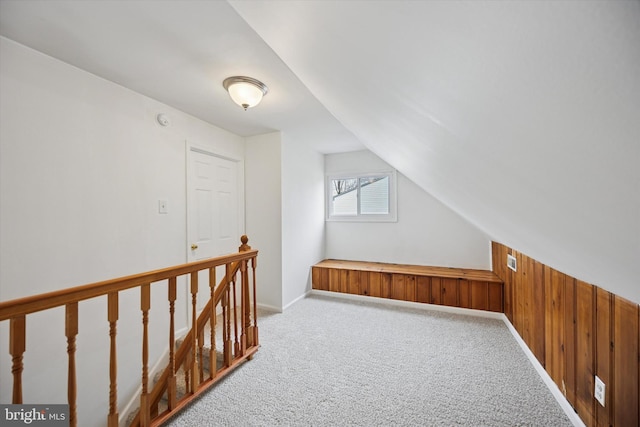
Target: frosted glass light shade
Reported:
point(245, 91)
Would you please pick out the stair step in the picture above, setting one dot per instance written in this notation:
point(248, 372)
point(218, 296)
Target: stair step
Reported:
point(181, 384)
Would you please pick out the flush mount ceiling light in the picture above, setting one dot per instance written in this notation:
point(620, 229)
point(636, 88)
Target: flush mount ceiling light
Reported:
point(245, 91)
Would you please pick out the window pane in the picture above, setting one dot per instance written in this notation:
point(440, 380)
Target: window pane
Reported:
point(344, 197)
point(374, 195)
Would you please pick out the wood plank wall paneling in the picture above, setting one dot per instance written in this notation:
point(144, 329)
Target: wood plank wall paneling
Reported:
point(537, 343)
point(576, 330)
point(320, 276)
point(385, 285)
point(495, 297)
point(464, 294)
point(446, 290)
point(554, 354)
point(585, 344)
point(518, 297)
point(353, 282)
point(436, 290)
point(502, 271)
point(364, 283)
point(603, 353)
point(570, 339)
point(423, 289)
point(479, 295)
point(625, 363)
point(411, 289)
point(334, 280)
point(526, 296)
point(344, 280)
point(449, 289)
point(397, 286)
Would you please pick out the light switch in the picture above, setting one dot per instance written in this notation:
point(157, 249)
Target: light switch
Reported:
point(163, 206)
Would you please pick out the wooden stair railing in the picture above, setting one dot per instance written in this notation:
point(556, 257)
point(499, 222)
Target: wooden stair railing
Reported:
point(187, 355)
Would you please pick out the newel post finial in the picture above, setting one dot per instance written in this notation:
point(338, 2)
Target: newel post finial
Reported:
point(244, 247)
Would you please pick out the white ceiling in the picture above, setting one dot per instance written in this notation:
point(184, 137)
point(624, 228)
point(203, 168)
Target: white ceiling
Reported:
point(523, 117)
point(177, 52)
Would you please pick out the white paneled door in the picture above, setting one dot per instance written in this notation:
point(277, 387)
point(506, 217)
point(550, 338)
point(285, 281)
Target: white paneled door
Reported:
point(213, 214)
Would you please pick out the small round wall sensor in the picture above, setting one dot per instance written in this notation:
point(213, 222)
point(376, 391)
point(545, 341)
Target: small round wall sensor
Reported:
point(162, 119)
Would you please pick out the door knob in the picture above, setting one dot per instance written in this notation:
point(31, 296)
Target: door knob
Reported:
point(194, 247)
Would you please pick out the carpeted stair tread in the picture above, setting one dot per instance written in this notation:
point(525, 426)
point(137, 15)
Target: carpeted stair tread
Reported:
point(181, 384)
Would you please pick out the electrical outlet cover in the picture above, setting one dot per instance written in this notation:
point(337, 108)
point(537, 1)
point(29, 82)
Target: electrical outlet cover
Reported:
point(599, 391)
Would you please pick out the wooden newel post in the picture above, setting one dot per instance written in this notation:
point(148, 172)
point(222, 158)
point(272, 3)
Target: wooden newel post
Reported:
point(247, 333)
point(251, 331)
point(244, 247)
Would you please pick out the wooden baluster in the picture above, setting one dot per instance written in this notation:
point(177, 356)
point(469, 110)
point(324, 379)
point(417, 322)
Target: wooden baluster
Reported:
point(145, 305)
point(226, 313)
point(194, 334)
point(153, 411)
point(171, 382)
point(17, 347)
point(213, 366)
point(254, 334)
point(245, 320)
point(112, 317)
point(224, 328)
point(235, 321)
point(71, 330)
point(187, 373)
point(201, 355)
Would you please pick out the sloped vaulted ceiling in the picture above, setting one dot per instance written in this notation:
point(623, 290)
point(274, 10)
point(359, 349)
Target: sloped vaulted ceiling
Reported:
point(524, 117)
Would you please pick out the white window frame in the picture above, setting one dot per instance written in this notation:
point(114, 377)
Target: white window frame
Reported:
point(392, 216)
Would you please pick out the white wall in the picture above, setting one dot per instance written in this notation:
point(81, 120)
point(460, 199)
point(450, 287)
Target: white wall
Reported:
point(427, 232)
point(302, 216)
point(264, 212)
point(83, 164)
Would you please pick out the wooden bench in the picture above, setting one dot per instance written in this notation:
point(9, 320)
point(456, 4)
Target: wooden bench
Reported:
point(455, 287)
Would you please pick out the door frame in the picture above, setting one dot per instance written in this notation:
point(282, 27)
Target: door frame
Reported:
point(192, 147)
point(197, 148)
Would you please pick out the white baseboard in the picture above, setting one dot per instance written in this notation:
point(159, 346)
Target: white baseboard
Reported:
point(280, 310)
point(269, 308)
point(303, 296)
point(551, 385)
point(555, 391)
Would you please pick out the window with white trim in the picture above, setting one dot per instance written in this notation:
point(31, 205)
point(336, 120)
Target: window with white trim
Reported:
point(361, 197)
